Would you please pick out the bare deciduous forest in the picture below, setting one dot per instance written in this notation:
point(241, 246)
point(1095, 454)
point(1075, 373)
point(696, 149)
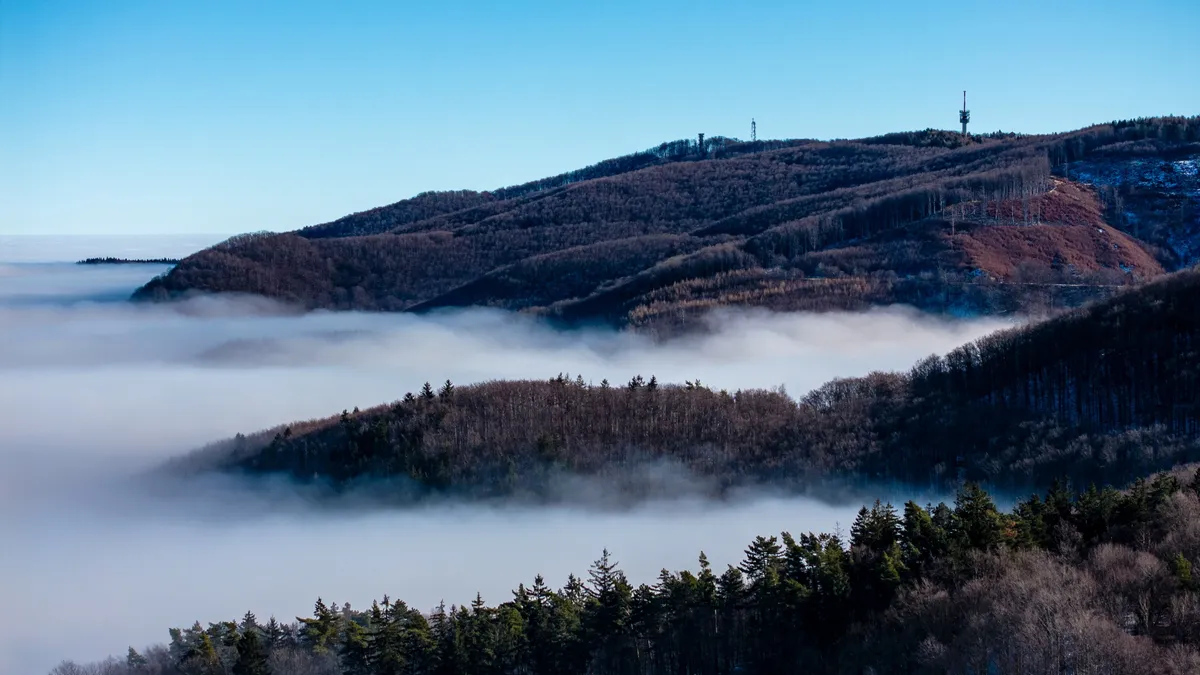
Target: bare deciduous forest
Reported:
point(993, 223)
point(1106, 393)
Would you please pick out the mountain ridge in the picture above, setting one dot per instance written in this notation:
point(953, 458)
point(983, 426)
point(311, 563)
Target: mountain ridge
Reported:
point(652, 239)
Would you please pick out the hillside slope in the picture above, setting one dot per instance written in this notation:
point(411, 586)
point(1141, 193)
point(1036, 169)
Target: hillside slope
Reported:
point(1104, 393)
point(988, 224)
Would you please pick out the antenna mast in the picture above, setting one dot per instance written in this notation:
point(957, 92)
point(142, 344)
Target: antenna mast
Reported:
point(753, 130)
point(964, 115)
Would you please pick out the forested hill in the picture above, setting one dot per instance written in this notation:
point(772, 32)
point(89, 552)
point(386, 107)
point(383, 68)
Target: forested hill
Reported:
point(993, 223)
point(1103, 393)
point(128, 261)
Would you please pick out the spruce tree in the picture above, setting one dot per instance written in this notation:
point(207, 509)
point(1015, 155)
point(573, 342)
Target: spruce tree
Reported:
point(977, 523)
point(446, 641)
point(481, 637)
point(607, 616)
point(354, 650)
point(249, 622)
point(251, 656)
point(922, 541)
point(273, 633)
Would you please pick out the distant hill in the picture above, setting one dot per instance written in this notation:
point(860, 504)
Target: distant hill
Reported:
point(985, 224)
point(1104, 394)
point(128, 261)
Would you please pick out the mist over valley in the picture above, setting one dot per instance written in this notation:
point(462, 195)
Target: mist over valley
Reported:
point(693, 348)
point(96, 390)
point(503, 349)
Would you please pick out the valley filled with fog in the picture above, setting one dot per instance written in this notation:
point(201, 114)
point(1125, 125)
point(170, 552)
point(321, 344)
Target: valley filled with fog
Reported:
point(94, 389)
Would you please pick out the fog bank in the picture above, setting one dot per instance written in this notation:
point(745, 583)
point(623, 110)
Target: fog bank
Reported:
point(58, 248)
point(93, 389)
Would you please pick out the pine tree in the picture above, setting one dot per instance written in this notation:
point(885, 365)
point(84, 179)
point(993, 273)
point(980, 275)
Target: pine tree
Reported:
point(1095, 511)
point(202, 658)
point(543, 639)
point(1030, 522)
point(224, 633)
point(509, 637)
point(251, 656)
point(354, 650)
point(921, 540)
point(731, 597)
point(418, 645)
point(427, 392)
point(977, 522)
point(273, 633)
point(575, 592)
point(321, 631)
point(763, 560)
point(447, 653)
point(480, 637)
point(249, 622)
point(1182, 567)
point(135, 661)
point(763, 566)
point(177, 648)
point(608, 608)
point(603, 575)
point(876, 556)
point(877, 529)
point(389, 622)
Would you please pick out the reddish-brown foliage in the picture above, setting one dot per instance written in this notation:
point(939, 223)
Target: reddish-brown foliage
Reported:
point(604, 241)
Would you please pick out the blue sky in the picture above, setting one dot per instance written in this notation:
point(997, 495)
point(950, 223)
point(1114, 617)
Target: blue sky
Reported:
point(183, 117)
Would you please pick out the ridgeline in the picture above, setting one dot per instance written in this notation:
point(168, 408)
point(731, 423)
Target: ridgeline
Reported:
point(992, 224)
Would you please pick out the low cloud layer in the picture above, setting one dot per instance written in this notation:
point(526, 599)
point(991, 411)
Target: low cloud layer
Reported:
point(93, 389)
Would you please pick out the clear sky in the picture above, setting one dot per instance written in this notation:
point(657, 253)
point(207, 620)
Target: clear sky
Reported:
point(183, 117)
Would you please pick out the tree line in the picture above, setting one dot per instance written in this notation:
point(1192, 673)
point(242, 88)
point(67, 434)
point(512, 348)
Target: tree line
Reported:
point(128, 261)
point(1098, 581)
point(1105, 393)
